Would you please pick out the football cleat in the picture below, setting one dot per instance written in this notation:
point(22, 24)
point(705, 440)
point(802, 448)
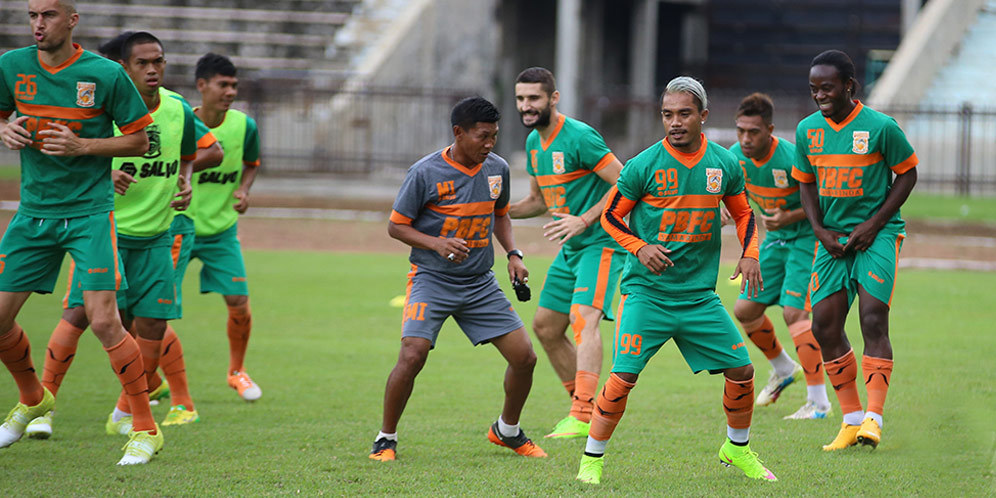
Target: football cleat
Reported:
point(40, 427)
point(120, 428)
point(247, 389)
point(847, 437)
point(141, 447)
point(519, 444)
point(384, 450)
point(809, 411)
point(18, 418)
point(180, 415)
point(773, 389)
point(744, 459)
point(569, 427)
point(159, 393)
point(591, 469)
point(870, 433)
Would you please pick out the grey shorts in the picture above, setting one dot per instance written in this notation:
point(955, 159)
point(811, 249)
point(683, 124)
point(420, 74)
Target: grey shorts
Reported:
point(477, 304)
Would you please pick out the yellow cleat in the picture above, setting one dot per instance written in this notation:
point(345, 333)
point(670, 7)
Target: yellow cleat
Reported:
point(180, 415)
point(870, 433)
point(847, 437)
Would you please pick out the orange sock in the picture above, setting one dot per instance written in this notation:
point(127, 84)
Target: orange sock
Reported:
point(584, 395)
point(15, 353)
point(569, 385)
point(61, 351)
point(843, 373)
point(808, 351)
point(239, 326)
point(126, 361)
point(762, 333)
point(738, 402)
point(150, 361)
point(171, 361)
point(609, 407)
point(877, 372)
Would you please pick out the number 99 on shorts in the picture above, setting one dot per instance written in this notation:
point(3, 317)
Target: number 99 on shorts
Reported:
point(630, 344)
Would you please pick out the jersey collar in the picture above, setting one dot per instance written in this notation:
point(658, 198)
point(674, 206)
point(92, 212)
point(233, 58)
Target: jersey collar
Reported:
point(556, 129)
point(767, 157)
point(459, 167)
point(850, 117)
point(68, 62)
point(689, 160)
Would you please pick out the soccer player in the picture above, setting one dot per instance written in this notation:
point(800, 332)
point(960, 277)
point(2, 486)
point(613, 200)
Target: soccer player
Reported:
point(786, 258)
point(671, 192)
point(68, 101)
point(571, 170)
point(216, 216)
point(65, 337)
point(447, 209)
point(846, 156)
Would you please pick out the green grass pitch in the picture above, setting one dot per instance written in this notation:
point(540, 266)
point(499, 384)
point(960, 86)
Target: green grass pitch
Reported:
point(324, 339)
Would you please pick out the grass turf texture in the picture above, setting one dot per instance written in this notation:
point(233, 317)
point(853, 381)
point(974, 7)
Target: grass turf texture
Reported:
point(324, 340)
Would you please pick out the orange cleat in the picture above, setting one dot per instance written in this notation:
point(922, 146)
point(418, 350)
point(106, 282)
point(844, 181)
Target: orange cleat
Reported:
point(519, 444)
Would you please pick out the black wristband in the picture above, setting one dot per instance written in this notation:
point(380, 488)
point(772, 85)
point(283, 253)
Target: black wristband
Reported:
point(515, 252)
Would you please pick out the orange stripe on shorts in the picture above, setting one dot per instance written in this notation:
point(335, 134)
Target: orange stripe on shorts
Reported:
point(602, 283)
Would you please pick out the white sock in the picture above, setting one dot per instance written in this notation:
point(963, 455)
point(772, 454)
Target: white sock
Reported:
point(118, 415)
point(783, 364)
point(738, 435)
point(595, 447)
point(854, 418)
point(507, 430)
point(818, 395)
point(874, 416)
point(390, 437)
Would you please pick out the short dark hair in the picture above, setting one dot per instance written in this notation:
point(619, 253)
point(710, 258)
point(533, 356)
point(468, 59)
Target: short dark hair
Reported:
point(839, 60)
point(540, 75)
point(757, 104)
point(137, 38)
point(112, 48)
point(212, 64)
point(473, 110)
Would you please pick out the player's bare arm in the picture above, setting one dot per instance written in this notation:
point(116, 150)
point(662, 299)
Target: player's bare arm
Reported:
point(811, 205)
point(749, 268)
point(777, 218)
point(181, 200)
point(443, 246)
point(121, 181)
point(503, 232)
point(59, 140)
point(864, 234)
point(530, 206)
point(564, 226)
point(242, 193)
point(14, 136)
point(208, 157)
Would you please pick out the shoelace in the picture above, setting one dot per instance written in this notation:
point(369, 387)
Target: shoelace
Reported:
point(243, 379)
point(135, 447)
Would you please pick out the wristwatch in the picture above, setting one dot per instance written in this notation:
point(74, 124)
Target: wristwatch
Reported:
point(515, 252)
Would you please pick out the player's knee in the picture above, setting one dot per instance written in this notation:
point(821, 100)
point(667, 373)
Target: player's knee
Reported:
point(745, 311)
point(412, 357)
point(875, 326)
point(236, 301)
point(793, 315)
point(743, 373)
point(525, 361)
point(76, 317)
point(104, 325)
point(545, 331)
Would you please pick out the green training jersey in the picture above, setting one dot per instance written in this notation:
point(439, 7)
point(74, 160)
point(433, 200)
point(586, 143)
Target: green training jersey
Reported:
point(770, 185)
point(144, 210)
point(89, 94)
point(852, 163)
point(564, 167)
point(201, 132)
point(677, 198)
point(212, 206)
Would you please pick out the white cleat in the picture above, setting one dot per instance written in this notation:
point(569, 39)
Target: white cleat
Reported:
point(17, 420)
point(809, 411)
point(40, 428)
point(141, 447)
point(776, 384)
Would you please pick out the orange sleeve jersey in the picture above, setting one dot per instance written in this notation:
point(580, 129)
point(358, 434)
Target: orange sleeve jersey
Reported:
point(673, 200)
point(443, 198)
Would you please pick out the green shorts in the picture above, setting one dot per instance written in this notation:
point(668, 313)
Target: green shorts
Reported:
point(149, 267)
point(874, 269)
point(182, 233)
point(32, 250)
point(785, 267)
point(701, 327)
point(224, 271)
point(588, 276)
